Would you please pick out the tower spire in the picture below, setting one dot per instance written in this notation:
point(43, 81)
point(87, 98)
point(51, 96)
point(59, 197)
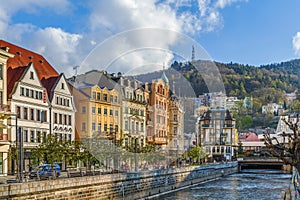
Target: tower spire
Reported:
point(193, 53)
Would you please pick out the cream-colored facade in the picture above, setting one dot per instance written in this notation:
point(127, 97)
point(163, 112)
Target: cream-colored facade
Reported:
point(4, 112)
point(62, 109)
point(176, 125)
point(29, 102)
point(216, 132)
point(133, 112)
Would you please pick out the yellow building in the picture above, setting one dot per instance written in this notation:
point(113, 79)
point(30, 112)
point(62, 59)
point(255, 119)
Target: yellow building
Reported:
point(98, 112)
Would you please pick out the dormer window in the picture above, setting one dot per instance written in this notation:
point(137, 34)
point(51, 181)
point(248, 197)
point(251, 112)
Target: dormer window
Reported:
point(31, 75)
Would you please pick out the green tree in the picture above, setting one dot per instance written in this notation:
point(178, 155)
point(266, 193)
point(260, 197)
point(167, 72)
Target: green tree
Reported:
point(197, 153)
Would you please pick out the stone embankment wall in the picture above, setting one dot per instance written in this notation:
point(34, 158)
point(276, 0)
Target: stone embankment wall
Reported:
point(142, 185)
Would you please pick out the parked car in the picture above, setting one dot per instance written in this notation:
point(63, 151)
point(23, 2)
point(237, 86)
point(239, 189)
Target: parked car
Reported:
point(45, 171)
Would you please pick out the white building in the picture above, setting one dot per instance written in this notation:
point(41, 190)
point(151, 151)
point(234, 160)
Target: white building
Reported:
point(29, 102)
point(62, 109)
point(271, 108)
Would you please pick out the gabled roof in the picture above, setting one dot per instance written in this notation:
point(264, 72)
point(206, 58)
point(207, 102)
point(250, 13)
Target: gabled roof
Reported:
point(23, 57)
point(14, 75)
point(49, 84)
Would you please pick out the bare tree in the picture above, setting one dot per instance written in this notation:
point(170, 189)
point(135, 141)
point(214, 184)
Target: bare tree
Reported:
point(288, 152)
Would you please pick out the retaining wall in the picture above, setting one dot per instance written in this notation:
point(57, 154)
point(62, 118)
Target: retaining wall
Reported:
point(141, 185)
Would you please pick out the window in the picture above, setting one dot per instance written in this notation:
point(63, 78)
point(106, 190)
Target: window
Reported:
point(99, 111)
point(104, 97)
point(70, 120)
point(62, 86)
point(111, 127)
point(31, 93)
point(93, 110)
point(98, 95)
point(43, 116)
point(27, 92)
point(18, 111)
point(55, 118)
point(142, 113)
point(31, 136)
point(83, 126)
point(126, 125)
point(116, 113)
point(65, 119)
point(38, 115)
point(111, 112)
point(111, 98)
point(36, 94)
point(83, 109)
point(93, 126)
point(137, 126)
point(22, 91)
point(39, 136)
point(94, 95)
point(70, 137)
point(116, 99)
point(116, 128)
point(31, 75)
point(105, 111)
point(40, 95)
point(142, 126)
point(60, 118)
point(105, 127)
point(25, 136)
point(25, 113)
point(99, 127)
point(31, 114)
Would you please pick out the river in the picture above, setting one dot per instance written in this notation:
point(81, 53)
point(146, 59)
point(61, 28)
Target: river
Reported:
point(248, 185)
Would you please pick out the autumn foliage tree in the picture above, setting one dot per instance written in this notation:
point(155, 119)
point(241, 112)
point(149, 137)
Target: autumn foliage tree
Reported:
point(288, 152)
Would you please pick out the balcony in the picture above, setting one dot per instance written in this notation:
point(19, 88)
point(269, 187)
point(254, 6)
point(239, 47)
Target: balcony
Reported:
point(160, 140)
point(149, 138)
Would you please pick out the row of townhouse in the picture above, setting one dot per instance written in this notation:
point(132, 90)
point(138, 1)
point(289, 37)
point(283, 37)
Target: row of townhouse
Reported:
point(36, 100)
point(128, 111)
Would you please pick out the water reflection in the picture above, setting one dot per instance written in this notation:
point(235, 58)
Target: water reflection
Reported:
point(248, 185)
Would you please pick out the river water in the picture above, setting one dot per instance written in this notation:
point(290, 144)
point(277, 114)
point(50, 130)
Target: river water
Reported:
point(248, 185)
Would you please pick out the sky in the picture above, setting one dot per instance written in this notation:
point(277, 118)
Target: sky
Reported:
point(134, 36)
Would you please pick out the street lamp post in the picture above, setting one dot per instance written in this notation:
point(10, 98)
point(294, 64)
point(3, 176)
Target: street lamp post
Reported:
point(19, 146)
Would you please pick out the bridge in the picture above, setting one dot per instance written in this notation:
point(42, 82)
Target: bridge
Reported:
point(261, 163)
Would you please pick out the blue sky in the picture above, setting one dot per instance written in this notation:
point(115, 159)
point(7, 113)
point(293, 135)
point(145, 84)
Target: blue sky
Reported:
point(69, 33)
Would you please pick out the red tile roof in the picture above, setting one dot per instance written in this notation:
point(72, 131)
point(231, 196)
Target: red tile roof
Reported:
point(23, 57)
point(252, 137)
point(14, 75)
point(49, 84)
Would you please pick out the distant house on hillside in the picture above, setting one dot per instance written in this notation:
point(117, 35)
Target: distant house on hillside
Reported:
point(272, 108)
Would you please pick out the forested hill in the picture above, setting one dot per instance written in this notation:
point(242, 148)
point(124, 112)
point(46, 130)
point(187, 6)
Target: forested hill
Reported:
point(267, 83)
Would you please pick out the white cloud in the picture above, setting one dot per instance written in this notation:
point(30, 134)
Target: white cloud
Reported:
point(296, 43)
point(106, 18)
point(62, 46)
